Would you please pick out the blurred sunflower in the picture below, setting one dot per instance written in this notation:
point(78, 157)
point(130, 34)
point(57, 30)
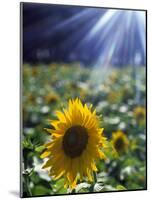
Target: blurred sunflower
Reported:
point(120, 142)
point(34, 71)
point(140, 114)
point(114, 96)
point(51, 98)
point(114, 76)
point(77, 143)
point(31, 98)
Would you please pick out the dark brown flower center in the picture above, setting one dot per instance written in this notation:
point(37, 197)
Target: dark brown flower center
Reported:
point(119, 144)
point(75, 141)
point(140, 116)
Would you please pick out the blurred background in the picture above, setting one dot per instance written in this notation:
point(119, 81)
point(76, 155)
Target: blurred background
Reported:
point(98, 55)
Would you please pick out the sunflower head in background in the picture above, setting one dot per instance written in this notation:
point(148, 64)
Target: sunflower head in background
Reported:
point(120, 142)
point(140, 114)
point(34, 71)
point(51, 98)
point(114, 96)
point(77, 142)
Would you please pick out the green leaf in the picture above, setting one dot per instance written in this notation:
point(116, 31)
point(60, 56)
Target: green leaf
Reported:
point(40, 190)
point(27, 143)
point(120, 187)
point(39, 149)
point(58, 186)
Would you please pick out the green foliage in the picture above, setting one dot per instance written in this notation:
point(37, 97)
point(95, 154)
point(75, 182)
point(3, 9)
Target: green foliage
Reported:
point(120, 187)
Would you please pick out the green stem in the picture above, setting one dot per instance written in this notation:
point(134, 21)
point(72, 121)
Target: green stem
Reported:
point(95, 181)
point(95, 177)
point(73, 191)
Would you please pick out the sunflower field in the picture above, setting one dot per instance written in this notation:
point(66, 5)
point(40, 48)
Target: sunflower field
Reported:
point(114, 101)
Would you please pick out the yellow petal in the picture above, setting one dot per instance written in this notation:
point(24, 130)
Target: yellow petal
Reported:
point(45, 154)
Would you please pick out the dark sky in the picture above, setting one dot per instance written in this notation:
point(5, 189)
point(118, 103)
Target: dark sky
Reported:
point(54, 33)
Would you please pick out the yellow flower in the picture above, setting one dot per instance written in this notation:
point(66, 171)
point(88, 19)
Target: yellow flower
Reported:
point(113, 78)
point(77, 143)
point(120, 142)
point(31, 98)
point(51, 98)
point(114, 96)
point(140, 114)
point(34, 71)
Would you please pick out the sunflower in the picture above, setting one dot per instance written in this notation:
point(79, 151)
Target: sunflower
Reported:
point(34, 71)
point(120, 142)
point(113, 78)
point(76, 144)
point(51, 98)
point(114, 96)
point(140, 114)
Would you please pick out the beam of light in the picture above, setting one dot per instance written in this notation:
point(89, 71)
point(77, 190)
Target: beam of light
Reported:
point(115, 40)
point(140, 20)
point(52, 30)
point(112, 19)
point(89, 31)
point(125, 37)
point(101, 33)
point(80, 34)
point(106, 31)
point(47, 32)
point(101, 23)
point(104, 60)
point(72, 21)
point(99, 30)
